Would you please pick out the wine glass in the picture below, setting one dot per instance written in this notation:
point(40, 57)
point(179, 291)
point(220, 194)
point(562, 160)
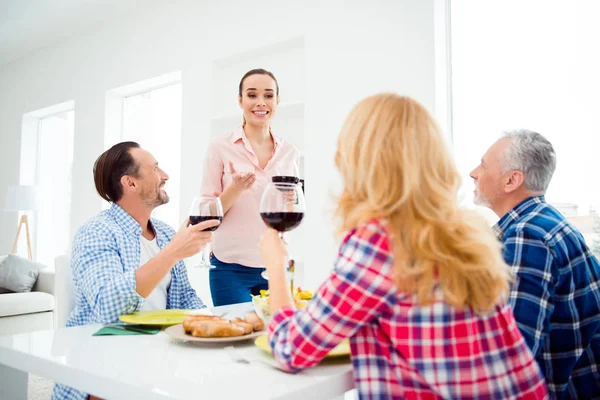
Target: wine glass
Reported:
point(282, 208)
point(205, 208)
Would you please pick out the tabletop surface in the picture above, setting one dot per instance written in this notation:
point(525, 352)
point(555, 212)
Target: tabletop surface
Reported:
point(159, 367)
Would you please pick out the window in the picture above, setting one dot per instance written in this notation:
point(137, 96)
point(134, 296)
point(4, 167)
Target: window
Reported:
point(150, 114)
point(47, 146)
point(530, 65)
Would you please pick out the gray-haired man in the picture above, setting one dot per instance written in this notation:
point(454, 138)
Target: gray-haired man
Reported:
point(556, 293)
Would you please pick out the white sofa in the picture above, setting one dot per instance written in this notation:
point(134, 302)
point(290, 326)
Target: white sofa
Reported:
point(33, 311)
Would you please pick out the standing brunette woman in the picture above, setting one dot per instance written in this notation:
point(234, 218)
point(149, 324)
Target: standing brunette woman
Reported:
point(237, 168)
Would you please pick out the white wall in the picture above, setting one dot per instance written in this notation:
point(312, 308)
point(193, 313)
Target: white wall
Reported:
point(353, 49)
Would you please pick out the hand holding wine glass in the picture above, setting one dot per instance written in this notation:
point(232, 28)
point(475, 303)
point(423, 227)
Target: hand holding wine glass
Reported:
point(206, 208)
point(191, 239)
point(282, 208)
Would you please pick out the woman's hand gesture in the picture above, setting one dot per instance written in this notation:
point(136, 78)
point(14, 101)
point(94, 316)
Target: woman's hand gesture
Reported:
point(241, 180)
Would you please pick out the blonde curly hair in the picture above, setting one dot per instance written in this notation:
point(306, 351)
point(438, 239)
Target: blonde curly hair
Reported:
point(396, 167)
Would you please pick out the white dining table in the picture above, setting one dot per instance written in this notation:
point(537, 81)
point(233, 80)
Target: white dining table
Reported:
point(160, 367)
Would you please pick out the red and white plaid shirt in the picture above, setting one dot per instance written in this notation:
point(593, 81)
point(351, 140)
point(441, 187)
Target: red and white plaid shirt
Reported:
point(399, 348)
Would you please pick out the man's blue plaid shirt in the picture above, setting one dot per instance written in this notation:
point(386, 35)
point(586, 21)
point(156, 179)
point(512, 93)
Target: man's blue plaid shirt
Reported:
point(555, 296)
point(106, 254)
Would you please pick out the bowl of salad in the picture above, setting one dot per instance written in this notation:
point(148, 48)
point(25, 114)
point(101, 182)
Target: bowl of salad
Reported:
point(261, 302)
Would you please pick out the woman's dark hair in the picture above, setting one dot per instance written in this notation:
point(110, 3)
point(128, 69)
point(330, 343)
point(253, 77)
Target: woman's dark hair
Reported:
point(258, 71)
point(113, 164)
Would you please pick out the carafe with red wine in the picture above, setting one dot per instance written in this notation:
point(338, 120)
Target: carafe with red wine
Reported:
point(282, 208)
point(205, 208)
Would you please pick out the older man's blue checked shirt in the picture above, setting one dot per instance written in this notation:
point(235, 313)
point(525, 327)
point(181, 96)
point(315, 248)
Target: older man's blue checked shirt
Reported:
point(106, 254)
point(555, 296)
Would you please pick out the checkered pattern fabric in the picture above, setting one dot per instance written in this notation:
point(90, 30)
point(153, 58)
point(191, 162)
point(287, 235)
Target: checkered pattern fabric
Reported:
point(400, 349)
point(106, 254)
point(556, 296)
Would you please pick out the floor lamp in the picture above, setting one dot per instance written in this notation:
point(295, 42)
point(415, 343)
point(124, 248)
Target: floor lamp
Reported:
point(22, 198)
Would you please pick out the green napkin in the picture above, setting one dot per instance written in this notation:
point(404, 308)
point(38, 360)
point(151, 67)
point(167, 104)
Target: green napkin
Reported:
point(127, 330)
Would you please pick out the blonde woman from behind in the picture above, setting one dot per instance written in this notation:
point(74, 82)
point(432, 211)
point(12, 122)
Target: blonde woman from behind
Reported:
point(419, 285)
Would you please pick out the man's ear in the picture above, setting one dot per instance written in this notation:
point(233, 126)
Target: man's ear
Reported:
point(513, 181)
point(128, 183)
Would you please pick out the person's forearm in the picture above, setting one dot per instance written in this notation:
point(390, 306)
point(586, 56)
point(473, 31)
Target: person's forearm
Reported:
point(279, 291)
point(149, 275)
point(228, 197)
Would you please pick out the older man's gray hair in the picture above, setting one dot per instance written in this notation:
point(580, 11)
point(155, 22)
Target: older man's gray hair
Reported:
point(532, 154)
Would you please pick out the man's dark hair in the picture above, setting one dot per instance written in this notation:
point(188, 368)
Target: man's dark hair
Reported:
point(113, 164)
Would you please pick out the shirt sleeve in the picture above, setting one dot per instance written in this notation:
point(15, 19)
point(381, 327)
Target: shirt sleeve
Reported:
point(356, 292)
point(212, 177)
point(534, 286)
point(100, 277)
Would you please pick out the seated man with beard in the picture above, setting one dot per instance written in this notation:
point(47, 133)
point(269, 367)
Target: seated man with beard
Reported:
point(124, 261)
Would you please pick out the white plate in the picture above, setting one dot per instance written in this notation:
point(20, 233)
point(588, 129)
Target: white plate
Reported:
point(177, 332)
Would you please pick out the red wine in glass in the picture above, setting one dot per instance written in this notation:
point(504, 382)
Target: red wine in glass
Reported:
point(196, 219)
point(206, 208)
point(282, 221)
point(285, 179)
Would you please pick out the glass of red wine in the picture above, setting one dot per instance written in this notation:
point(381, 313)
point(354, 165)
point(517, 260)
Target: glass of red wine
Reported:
point(205, 208)
point(282, 208)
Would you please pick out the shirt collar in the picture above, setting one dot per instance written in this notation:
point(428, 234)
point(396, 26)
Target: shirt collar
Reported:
point(240, 134)
point(516, 213)
point(124, 220)
point(278, 141)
